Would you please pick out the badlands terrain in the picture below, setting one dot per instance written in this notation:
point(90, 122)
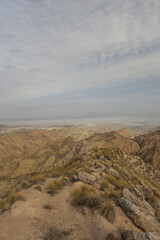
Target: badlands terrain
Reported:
point(79, 182)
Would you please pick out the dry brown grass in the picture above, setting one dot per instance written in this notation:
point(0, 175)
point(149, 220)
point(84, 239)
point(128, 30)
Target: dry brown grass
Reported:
point(112, 194)
point(86, 195)
point(118, 183)
point(2, 206)
point(14, 196)
point(47, 206)
point(54, 185)
point(55, 233)
point(158, 214)
point(37, 178)
point(104, 184)
point(108, 210)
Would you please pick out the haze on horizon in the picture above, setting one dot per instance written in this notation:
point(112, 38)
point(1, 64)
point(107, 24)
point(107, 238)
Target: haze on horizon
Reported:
point(88, 58)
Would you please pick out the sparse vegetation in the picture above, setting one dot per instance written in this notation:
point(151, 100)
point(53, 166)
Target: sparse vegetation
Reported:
point(39, 188)
point(104, 184)
point(118, 183)
point(59, 163)
point(2, 206)
point(37, 178)
point(54, 185)
point(112, 153)
point(108, 211)
point(14, 196)
point(86, 195)
point(110, 236)
point(112, 194)
point(152, 199)
point(158, 214)
point(48, 206)
point(26, 184)
point(55, 233)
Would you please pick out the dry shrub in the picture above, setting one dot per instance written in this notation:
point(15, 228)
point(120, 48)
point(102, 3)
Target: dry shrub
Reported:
point(111, 178)
point(26, 184)
point(78, 157)
point(118, 183)
point(48, 206)
point(112, 194)
point(86, 195)
point(37, 178)
point(156, 192)
point(14, 196)
point(108, 211)
point(135, 178)
point(113, 153)
point(110, 236)
point(2, 206)
point(55, 233)
point(95, 149)
point(153, 200)
point(158, 214)
point(104, 184)
point(54, 185)
point(121, 184)
point(38, 188)
point(97, 164)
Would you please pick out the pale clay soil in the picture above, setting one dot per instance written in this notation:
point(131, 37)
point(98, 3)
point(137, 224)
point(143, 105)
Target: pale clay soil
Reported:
point(29, 220)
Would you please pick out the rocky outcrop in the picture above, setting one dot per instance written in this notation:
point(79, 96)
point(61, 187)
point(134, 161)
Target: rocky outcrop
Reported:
point(133, 235)
point(112, 172)
point(86, 177)
point(139, 211)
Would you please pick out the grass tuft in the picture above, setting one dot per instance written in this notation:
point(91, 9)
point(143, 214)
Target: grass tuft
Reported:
point(55, 233)
point(86, 195)
point(54, 185)
point(14, 196)
point(108, 211)
point(158, 214)
point(2, 206)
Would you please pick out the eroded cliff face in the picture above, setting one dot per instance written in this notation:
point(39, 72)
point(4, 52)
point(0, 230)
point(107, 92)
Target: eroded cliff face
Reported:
point(150, 148)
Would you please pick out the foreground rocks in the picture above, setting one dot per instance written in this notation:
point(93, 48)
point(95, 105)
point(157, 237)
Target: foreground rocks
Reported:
point(133, 235)
point(139, 211)
point(86, 177)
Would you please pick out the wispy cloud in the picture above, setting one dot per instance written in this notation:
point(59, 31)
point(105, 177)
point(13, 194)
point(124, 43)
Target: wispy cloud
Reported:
point(62, 47)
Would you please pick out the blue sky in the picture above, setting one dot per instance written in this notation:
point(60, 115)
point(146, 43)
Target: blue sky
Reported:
point(61, 58)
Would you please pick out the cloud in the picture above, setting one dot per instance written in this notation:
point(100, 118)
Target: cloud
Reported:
point(61, 47)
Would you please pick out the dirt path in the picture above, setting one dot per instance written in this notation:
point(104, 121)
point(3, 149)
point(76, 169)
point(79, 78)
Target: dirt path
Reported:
point(29, 220)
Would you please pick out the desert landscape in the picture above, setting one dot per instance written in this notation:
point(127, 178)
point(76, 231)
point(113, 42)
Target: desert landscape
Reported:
point(79, 182)
point(79, 120)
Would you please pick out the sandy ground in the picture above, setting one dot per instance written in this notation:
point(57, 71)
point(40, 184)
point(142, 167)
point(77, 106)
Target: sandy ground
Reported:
point(29, 220)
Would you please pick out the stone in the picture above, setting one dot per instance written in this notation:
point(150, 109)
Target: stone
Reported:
point(139, 211)
point(133, 235)
point(86, 177)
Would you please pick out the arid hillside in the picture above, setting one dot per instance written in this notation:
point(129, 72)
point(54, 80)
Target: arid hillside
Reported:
point(150, 148)
point(55, 185)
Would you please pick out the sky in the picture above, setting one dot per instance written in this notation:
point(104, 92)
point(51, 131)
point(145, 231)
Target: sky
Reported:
point(79, 59)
